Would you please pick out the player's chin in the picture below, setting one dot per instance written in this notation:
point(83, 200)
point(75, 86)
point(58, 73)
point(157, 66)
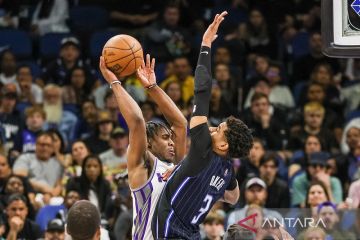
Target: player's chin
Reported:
point(170, 157)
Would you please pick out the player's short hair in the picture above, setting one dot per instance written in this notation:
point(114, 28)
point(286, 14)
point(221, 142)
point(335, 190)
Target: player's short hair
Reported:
point(153, 128)
point(83, 220)
point(239, 138)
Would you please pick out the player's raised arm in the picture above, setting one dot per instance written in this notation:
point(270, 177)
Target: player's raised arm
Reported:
point(203, 79)
point(172, 113)
point(135, 121)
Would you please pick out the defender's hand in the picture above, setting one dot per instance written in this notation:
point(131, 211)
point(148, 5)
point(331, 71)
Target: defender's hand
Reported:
point(210, 33)
point(146, 72)
point(107, 74)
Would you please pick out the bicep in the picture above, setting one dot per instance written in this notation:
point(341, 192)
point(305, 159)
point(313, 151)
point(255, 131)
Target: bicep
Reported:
point(137, 146)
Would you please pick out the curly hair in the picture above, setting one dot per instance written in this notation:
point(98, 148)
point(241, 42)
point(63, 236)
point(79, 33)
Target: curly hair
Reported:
point(239, 138)
point(153, 128)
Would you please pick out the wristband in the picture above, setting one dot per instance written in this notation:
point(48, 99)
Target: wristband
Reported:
point(116, 81)
point(151, 86)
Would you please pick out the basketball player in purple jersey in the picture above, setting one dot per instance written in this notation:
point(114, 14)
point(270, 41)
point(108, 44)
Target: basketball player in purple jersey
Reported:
point(206, 174)
point(153, 148)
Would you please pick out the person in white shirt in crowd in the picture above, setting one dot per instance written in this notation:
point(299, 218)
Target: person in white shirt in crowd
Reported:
point(114, 159)
point(7, 67)
point(43, 170)
point(27, 90)
point(50, 16)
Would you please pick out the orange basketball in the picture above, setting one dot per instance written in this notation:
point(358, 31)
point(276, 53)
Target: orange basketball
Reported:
point(123, 55)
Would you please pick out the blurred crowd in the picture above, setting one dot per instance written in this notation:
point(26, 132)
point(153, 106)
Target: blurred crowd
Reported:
point(62, 137)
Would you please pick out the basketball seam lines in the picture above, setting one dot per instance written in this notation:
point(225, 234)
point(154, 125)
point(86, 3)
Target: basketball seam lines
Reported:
point(125, 56)
point(134, 57)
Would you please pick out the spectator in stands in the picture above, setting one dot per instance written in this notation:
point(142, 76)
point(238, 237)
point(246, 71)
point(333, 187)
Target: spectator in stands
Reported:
point(182, 75)
point(353, 160)
point(58, 71)
point(5, 171)
point(28, 91)
point(305, 65)
point(71, 197)
point(173, 90)
point(328, 214)
point(25, 141)
point(63, 120)
point(249, 167)
point(87, 122)
point(275, 186)
point(316, 171)
point(219, 107)
point(79, 151)
point(18, 225)
point(235, 232)
point(123, 200)
point(133, 17)
point(19, 185)
point(98, 142)
point(111, 106)
point(314, 233)
point(332, 120)
point(213, 227)
point(114, 160)
point(279, 95)
point(10, 118)
point(43, 170)
point(267, 122)
point(166, 38)
point(300, 158)
point(227, 83)
point(323, 74)
point(354, 194)
point(10, 13)
point(78, 89)
point(255, 193)
point(59, 148)
point(55, 230)
point(91, 184)
point(317, 194)
point(50, 17)
point(256, 35)
point(7, 67)
point(313, 125)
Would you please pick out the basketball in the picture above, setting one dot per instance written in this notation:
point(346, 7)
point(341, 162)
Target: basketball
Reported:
point(123, 55)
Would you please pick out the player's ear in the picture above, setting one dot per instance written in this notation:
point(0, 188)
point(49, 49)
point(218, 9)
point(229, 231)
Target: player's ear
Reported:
point(148, 144)
point(224, 146)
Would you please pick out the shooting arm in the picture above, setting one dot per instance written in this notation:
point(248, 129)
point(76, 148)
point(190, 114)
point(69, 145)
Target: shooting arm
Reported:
point(134, 119)
point(174, 117)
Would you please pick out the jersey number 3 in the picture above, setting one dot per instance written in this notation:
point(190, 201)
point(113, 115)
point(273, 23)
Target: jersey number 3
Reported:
point(207, 202)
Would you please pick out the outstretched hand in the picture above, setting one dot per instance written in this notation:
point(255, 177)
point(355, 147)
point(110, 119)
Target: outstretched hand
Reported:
point(210, 33)
point(146, 72)
point(107, 74)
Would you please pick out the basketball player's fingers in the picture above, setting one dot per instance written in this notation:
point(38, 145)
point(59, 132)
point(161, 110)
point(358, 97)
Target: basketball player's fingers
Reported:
point(153, 63)
point(143, 64)
point(147, 60)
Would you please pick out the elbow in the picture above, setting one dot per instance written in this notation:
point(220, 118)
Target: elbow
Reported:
point(233, 197)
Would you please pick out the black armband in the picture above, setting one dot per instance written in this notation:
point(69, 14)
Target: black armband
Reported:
point(233, 182)
point(203, 83)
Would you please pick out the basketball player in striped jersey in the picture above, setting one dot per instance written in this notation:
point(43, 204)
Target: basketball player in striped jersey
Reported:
point(206, 174)
point(153, 148)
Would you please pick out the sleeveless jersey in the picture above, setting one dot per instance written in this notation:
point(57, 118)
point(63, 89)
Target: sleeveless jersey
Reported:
point(145, 199)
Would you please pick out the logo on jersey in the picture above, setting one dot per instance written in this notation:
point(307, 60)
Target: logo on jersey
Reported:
point(217, 182)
